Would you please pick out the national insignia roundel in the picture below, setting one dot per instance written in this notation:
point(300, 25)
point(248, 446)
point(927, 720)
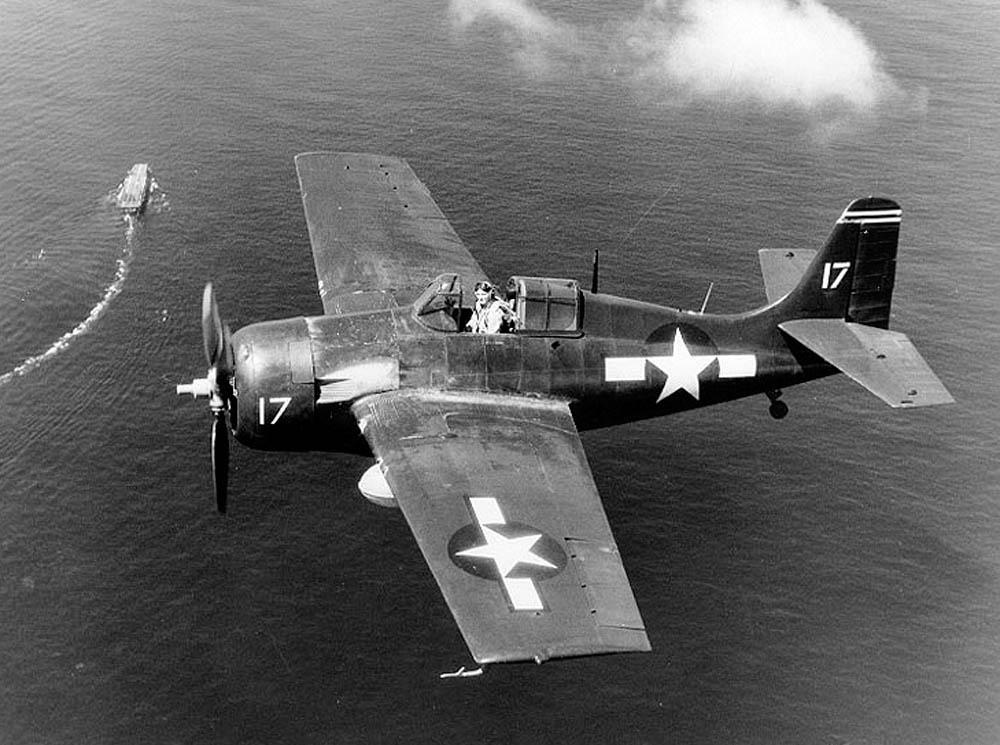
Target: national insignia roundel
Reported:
point(512, 553)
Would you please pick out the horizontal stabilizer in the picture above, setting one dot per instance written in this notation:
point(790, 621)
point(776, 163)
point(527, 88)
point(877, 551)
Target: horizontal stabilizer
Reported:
point(885, 362)
point(782, 270)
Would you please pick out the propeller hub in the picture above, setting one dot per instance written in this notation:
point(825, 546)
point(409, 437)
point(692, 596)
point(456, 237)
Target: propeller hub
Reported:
point(198, 388)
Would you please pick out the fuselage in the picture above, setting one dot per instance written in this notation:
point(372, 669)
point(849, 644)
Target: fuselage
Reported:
point(296, 379)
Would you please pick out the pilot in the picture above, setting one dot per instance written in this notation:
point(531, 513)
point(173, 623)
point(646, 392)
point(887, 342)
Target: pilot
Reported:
point(491, 314)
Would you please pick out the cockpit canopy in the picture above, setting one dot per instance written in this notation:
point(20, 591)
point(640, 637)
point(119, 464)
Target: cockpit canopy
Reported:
point(543, 305)
point(440, 305)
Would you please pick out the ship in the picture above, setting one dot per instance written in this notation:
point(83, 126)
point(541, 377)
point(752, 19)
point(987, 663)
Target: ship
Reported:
point(134, 189)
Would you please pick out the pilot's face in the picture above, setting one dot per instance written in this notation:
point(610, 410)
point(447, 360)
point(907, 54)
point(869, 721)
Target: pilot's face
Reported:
point(482, 296)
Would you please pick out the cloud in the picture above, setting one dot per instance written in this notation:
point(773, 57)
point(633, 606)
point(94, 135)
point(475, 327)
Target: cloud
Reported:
point(784, 53)
point(517, 15)
point(773, 51)
point(538, 42)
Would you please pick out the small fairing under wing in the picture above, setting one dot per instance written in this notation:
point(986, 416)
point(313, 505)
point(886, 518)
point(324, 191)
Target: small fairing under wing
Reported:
point(377, 236)
point(885, 362)
point(499, 496)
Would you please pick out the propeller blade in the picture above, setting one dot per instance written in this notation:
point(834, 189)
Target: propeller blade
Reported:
point(212, 330)
point(220, 460)
point(227, 362)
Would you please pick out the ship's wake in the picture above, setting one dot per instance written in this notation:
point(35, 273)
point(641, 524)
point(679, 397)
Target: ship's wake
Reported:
point(124, 261)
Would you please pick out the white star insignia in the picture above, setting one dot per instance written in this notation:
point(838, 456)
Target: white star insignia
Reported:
point(506, 552)
point(682, 368)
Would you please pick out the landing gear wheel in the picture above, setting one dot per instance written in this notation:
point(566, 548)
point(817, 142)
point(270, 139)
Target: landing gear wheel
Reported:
point(778, 409)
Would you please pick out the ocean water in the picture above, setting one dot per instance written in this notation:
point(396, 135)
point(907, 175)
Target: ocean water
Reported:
point(832, 578)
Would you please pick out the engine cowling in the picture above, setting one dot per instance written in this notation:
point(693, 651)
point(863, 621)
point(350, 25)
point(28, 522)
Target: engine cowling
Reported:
point(274, 386)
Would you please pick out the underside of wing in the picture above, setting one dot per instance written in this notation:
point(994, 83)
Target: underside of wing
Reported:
point(885, 362)
point(377, 236)
point(499, 496)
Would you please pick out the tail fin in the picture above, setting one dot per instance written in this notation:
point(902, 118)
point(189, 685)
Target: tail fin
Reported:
point(839, 309)
point(852, 276)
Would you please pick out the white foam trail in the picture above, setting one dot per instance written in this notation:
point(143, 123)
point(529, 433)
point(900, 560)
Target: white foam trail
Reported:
point(110, 293)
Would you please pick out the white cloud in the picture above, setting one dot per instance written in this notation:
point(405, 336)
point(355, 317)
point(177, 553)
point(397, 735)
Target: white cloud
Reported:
point(518, 15)
point(774, 51)
point(786, 53)
point(539, 43)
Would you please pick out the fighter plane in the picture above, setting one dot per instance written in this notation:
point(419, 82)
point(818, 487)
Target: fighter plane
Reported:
point(475, 437)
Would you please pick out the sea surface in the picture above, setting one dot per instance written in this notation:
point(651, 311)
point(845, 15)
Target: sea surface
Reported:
point(829, 579)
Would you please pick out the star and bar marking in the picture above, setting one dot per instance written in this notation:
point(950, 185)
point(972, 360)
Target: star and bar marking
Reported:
point(681, 368)
point(523, 552)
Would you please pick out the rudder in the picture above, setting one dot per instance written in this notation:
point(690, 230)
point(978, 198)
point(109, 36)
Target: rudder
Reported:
point(875, 264)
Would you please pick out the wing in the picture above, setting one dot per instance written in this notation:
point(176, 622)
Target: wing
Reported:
point(499, 495)
point(885, 362)
point(377, 237)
